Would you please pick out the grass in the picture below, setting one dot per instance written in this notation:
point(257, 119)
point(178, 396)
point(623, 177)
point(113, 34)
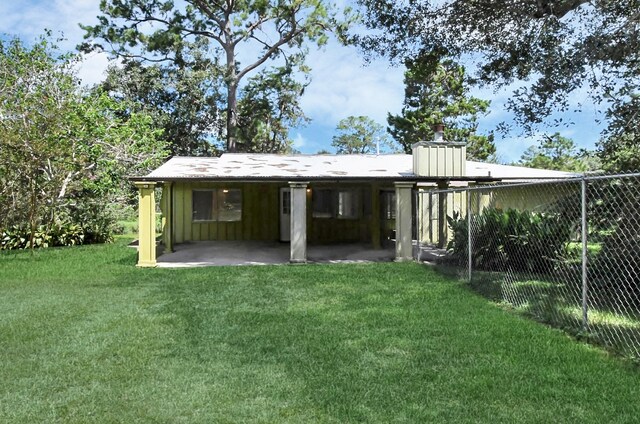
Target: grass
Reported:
point(614, 320)
point(87, 337)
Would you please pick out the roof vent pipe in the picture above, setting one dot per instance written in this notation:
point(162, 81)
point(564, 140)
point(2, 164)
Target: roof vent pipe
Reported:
point(438, 133)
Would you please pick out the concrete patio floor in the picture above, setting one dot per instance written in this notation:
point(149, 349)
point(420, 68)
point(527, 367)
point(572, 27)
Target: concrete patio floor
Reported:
point(219, 253)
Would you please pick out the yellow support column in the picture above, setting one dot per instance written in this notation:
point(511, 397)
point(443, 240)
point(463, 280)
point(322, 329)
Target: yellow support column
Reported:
point(146, 224)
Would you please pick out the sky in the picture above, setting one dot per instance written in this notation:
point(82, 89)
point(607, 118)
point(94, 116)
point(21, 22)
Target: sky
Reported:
point(341, 83)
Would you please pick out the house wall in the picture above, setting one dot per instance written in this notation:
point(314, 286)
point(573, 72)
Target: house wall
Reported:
point(528, 197)
point(364, 229)
point(261, 216)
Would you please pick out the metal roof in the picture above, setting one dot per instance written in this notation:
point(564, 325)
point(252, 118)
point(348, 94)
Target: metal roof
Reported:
point(242, 166)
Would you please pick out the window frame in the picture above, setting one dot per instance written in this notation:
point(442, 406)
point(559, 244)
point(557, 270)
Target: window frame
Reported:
point(217, 202)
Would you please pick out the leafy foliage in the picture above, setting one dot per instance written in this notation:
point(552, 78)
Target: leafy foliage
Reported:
point(618, 228)
point(558, 46)
point(16, 237)
point(512, 239)
point(361, 135)
point(63, 149)
point(184, 99)
point(619, 148)
point(436, 92)
point(559, 153)
point(251, 31)
point(268, 108)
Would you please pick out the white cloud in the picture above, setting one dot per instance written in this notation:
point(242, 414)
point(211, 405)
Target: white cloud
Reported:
point(92, 68)
point(343, 86)
point(30, 20)
point(299, 141)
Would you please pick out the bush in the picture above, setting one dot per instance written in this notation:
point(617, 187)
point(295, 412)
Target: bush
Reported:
point(66, 234)
point(512, 239)
point(616, 266)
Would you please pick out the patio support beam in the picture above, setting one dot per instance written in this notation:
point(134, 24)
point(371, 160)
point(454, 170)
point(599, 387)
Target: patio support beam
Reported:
point(404, 248)
point(442, 214)
point(167, 217)
point(146, 224)
point(298, 222)
point(425, 217)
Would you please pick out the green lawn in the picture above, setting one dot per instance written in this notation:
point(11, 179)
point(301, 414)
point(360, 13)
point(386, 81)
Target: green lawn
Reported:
point(87, 337)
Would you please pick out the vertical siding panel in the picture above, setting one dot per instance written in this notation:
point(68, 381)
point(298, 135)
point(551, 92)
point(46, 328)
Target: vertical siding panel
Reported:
point(204, 231)
point(273, 231)
point(179, 212)
point(247, 209)
point(213, 231)
point(188, 232)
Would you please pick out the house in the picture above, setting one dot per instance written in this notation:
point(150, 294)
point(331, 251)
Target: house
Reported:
point(317, 199)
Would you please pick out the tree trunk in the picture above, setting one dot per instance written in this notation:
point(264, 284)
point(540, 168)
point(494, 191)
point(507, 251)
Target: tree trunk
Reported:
point(232, 115)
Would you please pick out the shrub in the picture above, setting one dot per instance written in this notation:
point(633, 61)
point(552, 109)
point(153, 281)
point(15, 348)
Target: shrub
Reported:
point(512, 239)
point(20, 238)
point(64, 234)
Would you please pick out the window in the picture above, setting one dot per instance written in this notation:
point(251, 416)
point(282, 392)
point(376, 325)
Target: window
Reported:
point(229, 205)
point(388, 204)
point(204, 205)
point(223, 205)
point(348, 204)
point(322, 203)
point(286, 202)
point(341, 204)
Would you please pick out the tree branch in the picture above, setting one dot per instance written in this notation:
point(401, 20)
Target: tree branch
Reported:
point(293, 32)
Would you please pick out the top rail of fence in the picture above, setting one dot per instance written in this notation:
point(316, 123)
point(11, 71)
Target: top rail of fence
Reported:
point(569, 180)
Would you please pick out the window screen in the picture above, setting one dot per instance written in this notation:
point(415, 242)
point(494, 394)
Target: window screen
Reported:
point(348, 204)
point(223, 205)
point(229, 205)
point(322, 203)
point(204, 205)
point(388, 204)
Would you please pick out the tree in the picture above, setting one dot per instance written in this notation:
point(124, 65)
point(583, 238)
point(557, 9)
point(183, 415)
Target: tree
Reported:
point(555, 46)
point(184, 99)
point(619, 148)
point(436, 92)
point(62, 148)
point(556, 152)
point(156, 30)
point(361, 135)
point(268, 108)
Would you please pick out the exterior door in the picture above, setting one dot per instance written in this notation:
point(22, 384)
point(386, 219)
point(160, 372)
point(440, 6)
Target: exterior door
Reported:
point(285, 214)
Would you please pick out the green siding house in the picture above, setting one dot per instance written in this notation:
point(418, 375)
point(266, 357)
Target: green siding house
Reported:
point(316, 199)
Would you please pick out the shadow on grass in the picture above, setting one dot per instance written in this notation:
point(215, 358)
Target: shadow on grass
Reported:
point(559, 304)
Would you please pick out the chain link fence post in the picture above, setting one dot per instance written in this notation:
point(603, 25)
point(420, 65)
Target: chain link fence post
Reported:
point(469, 239)
point(565, 252)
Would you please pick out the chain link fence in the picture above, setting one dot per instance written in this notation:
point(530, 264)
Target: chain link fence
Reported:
point(564, 252)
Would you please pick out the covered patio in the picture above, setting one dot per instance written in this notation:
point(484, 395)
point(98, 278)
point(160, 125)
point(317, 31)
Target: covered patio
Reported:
point(225, 253)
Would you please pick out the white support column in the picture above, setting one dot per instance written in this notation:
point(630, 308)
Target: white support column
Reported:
point(404, 248)
point(424, 218)
point(298, 222)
